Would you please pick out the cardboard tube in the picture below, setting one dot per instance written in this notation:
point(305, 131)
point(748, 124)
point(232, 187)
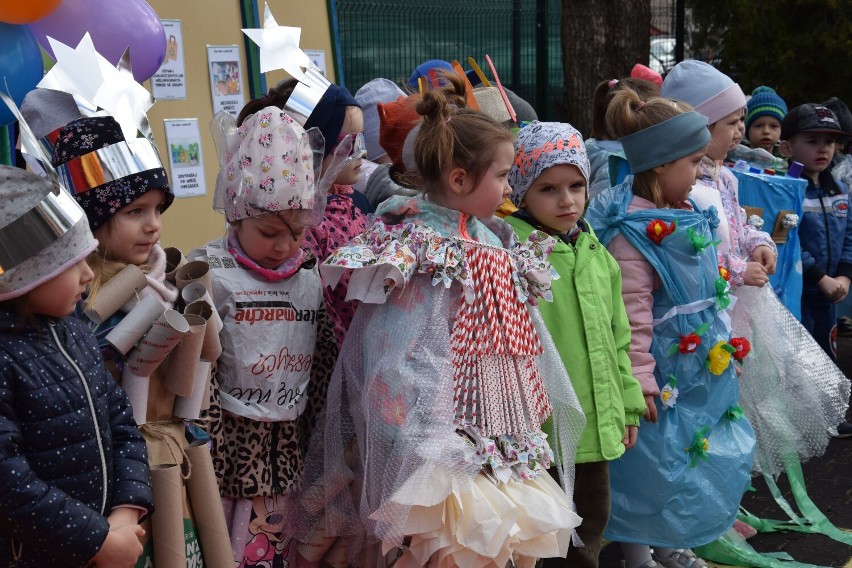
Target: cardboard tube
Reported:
point(184, 358)
point(136, 388)
point(317, 543)
point(167, 520)
point(135, 324)
point(196, 270)
point(212, 348)
point(195, 291)
point(174, 260)
point(207, 507)
point(190, 406)
point(115, 293)
point(157, 343)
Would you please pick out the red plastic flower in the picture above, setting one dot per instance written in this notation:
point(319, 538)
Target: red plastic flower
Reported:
point(742, 346)
point(689, 343)
point(723, 272)
point(658, 230)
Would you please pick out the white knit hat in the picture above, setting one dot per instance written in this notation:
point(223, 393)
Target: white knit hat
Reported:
point(43, 232)
point(708, 90)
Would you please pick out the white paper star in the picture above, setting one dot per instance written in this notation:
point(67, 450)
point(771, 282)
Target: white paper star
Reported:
point(77, 70)
point(279, 46)
point(125, 99)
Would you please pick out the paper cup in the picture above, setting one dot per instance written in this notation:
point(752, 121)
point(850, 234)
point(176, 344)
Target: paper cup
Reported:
point(174, 260)
point(164, 334)
point(207, 507)
point(136, 388)
point(189, 407)
point(196, 270)
point(115, 293)
point(135, 324)
point(184, 358)
point(167, 520)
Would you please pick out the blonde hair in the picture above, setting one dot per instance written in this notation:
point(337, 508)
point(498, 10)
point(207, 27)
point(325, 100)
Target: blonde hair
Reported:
point(628, 113)
point(454, 137)
point(105, 268)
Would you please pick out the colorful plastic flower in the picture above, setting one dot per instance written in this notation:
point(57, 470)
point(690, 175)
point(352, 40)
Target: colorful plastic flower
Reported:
point(700, 446)
point(689, 343)
point(742, 347)
point(719, 357)
point(657, 230)
point(734, 413)
point(723, 272)
point(668, 394)
point(723, 299)
point(699, 241)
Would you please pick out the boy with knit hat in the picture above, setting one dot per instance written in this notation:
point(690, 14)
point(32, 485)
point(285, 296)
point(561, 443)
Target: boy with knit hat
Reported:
point(764, 112)
point(587, 318)
point(57, 398)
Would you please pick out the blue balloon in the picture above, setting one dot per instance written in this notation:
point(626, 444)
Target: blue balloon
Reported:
point(21, 67)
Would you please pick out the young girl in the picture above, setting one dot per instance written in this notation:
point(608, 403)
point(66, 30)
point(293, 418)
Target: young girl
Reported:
point(681, 484)
point(338, 116)
point(447, 375)
point(586, 318)
point(278, 348)
point(73, 465)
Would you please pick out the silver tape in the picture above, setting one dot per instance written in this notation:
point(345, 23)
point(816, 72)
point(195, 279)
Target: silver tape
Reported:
point(104, 165)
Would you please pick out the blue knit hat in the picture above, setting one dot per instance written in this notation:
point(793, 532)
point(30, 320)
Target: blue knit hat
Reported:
point(764, 101)
point(708, 90)
point(423, 70)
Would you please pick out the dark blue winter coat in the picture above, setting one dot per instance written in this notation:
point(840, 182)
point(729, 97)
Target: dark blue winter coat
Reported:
point(825, 235)
point(70, 451)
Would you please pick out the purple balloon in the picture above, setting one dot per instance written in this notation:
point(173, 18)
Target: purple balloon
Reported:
point(114, 26)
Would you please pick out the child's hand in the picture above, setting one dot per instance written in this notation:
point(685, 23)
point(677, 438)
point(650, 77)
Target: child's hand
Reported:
point(833, 288)
point(121, 548)
point(844, 281)
point(755, 274)
point(766, 257)
point(650, 408)
point(630, 434)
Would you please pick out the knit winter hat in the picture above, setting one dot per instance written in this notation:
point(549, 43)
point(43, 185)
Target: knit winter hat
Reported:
point(273, 165)
point(43, 232)
point(541, 145)
point(376, 91)
point(708, 90)
point(644, 72)
point(764, 101)
point(397, 119)
point(103, 171)
point(425, 68)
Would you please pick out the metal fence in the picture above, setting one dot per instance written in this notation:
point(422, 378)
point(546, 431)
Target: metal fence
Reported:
point(389, 38)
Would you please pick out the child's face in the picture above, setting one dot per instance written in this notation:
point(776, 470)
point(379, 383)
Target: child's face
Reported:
point(134, 230)
point(723, 132)
point(352, 124)
point(492, 189)
point(738, 137)
point(676, 178)
point(557, 197)
point(270, 240)
point(59, 296)
point(813, 149)
point(764, 132)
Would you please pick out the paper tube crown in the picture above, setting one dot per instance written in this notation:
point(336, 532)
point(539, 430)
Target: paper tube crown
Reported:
point(270, 164)
point(103, 171)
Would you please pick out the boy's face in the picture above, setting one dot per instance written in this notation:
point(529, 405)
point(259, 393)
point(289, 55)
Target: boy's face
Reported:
point(557, 197)
point(764, 132)
point(813, 149)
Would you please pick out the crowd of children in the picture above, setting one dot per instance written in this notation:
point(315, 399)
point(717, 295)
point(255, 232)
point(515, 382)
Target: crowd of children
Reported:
point(404, 376)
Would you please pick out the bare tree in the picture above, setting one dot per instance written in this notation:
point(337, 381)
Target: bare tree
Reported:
point(601, 39)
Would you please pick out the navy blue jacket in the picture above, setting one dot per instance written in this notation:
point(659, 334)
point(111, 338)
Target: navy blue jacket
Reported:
point(70, 451)
point(825, 234)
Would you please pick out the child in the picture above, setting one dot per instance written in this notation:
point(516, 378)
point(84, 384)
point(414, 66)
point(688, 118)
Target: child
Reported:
point(57, 399)
point(717, 97)
point(278, 346)
point(764, 112)
point(680, 486)
point(338, 116)
point(586, 318)
point(443, 379)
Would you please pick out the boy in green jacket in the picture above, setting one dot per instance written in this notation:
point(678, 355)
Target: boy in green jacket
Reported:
point(587, 319)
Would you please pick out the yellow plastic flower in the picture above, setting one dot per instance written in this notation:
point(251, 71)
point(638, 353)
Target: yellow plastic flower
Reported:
point(719, 357)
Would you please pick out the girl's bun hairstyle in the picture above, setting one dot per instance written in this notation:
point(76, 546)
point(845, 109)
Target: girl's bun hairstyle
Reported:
point(603, 96)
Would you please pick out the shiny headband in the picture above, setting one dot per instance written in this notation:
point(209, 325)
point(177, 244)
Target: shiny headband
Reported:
point(35, 230)
point(107, 164)
point(666, 142)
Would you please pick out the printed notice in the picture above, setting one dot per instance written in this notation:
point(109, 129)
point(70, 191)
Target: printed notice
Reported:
point(185, 160)
point(226, 78)
point(317, 57)
point(169, 82)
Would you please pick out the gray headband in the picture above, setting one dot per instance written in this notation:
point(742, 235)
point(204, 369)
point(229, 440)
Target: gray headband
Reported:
point(666, 142)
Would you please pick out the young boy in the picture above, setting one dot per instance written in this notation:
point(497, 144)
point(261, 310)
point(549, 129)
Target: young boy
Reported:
point(764, 112)
point(587, 318)
point(809, 134)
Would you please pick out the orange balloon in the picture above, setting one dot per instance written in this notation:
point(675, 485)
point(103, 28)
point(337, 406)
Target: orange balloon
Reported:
point(26, 12)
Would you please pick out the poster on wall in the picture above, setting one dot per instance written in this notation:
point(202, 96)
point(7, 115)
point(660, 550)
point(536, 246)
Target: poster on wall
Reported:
point(169, 82)
point(185, 160)
point(226, 78)
point(317, 57)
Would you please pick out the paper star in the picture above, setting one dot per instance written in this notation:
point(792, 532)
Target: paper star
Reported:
point(77, 71)
point(125, 99)
point(279, 46)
